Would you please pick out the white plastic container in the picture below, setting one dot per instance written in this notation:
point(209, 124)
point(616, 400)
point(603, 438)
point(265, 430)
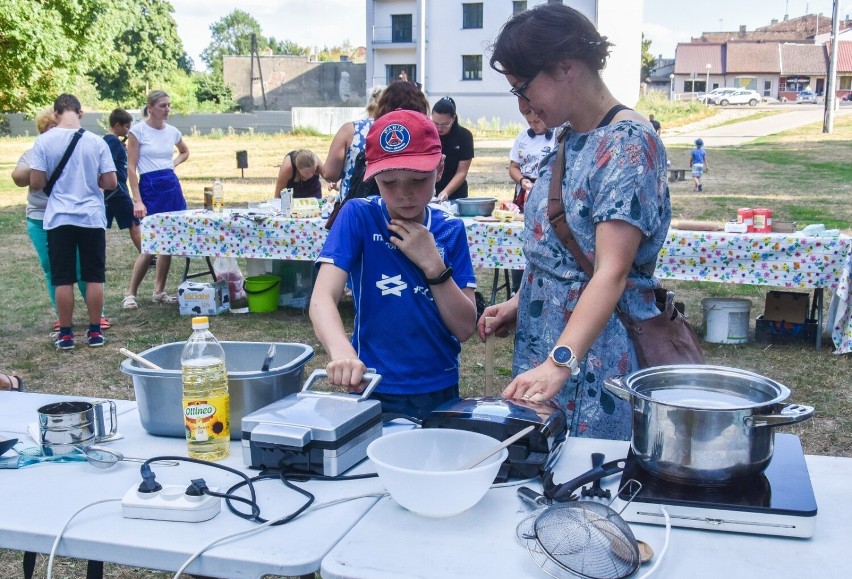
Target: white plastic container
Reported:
point(726, 320)
point(420, 469)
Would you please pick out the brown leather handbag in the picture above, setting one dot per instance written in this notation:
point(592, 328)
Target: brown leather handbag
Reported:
point(659, 341)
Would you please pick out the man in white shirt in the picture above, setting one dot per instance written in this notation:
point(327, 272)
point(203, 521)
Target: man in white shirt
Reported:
point(75, 217)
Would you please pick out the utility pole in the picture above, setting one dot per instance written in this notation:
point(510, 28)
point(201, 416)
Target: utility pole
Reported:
point(830, 100)
point(255, 55)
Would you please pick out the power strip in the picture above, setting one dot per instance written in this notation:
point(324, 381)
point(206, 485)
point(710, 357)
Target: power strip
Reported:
point(171, 503)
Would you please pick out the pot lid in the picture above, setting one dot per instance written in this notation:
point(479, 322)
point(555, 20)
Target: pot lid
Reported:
point(704, 387)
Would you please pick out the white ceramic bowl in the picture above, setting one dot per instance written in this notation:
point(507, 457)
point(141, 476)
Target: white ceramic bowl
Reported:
point(419, 468)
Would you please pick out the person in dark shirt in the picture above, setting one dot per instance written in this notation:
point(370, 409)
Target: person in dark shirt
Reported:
point(457, 146)
point(655, 123)
point(119, 205)
point(300, 172)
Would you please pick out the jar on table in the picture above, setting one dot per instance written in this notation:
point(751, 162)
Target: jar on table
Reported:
point(745, 215)
point(762, 220)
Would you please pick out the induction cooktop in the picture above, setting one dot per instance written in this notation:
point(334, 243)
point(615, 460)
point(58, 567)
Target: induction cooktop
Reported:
point(778, 502)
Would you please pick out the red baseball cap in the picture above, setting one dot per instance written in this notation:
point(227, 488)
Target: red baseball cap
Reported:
point(402, 140)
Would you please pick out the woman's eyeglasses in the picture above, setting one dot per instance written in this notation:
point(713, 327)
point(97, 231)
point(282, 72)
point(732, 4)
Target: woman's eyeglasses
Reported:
point(521, 91)
point(444, 125)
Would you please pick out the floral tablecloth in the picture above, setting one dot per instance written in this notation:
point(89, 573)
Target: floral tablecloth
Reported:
point(774, 259)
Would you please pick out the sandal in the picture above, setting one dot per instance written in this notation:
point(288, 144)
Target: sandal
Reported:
point(105, 325)
point(129, 303)
point(163, 298)
point(12, 379)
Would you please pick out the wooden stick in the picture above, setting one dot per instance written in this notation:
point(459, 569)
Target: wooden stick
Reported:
point(511, 440)
point(489, 358)
point(139, 359)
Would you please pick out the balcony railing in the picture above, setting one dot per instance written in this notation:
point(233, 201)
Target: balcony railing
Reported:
point(389, 35)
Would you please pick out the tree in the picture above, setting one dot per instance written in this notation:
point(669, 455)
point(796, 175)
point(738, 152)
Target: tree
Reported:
point(45, 46)
point(145, 54)
point(648, 60)
point(231, 35)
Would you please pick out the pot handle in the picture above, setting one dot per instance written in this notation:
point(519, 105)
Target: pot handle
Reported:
point(789, 414)
point(615, 384)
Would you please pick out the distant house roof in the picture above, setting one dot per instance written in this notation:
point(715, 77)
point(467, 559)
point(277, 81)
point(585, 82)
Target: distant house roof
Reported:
point(805, 59)
point(844, 57)
point(691, 58)
point(744, 57)
point(796, 30)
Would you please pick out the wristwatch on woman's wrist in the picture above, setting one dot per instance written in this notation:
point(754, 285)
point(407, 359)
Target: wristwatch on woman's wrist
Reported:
point(564, 356)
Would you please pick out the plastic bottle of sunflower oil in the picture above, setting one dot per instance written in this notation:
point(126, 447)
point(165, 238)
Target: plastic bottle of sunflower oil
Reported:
point(206, 402)
point(218, 196)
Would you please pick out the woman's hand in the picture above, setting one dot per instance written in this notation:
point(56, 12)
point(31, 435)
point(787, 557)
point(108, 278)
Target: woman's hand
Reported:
point(505, 316)
point(139, 209)
point(539, 384)
point(442, 197)
point(347, 372)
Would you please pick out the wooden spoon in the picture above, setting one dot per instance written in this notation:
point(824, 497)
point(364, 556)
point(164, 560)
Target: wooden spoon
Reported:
point(139, 359)
point(646, 553)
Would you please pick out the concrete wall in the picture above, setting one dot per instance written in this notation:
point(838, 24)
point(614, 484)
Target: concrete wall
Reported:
point(260, 122)
point(293, 81)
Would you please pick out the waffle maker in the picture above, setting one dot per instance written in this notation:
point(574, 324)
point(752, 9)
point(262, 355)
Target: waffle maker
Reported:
point(501, 418)
point(313, 432)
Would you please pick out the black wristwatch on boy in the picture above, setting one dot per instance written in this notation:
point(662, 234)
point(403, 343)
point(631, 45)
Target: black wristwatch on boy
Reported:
point(445, 275)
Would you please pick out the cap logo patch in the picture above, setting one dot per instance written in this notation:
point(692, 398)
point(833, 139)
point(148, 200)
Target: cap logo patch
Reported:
point(394, 138)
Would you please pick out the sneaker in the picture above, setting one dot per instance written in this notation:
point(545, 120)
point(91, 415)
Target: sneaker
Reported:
point(65, 342)
point(94, 339)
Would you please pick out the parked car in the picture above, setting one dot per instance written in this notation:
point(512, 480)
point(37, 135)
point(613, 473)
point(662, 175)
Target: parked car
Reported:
point(847, 96)
point(710, 97)
point(806, 96)
point(741, 96)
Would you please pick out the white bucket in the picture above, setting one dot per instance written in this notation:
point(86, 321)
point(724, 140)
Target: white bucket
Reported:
point(726, 320)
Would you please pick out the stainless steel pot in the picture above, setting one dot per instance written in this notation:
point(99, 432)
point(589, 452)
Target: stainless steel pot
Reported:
point(706, 425)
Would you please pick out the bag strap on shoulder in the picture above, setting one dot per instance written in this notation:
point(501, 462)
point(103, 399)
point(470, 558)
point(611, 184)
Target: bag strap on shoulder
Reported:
point(54, 177)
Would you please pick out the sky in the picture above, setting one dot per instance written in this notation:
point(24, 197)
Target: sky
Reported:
point(329, 22)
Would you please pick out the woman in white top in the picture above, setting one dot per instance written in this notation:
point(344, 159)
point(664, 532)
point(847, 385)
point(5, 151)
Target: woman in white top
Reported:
point(154, 185)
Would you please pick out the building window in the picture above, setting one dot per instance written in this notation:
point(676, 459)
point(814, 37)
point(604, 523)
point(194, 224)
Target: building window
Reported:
point(844, 83)
point(690, 85)
point(518, 6)
point(401, 26)
point(393, 72)
point(472, 15)
point(472, 67)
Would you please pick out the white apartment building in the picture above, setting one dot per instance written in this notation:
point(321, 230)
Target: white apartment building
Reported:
point(444, 46)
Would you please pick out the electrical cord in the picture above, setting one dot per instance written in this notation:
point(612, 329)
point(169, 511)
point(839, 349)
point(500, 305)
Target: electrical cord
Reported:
point(55, 546)
point(149, 484)
point(665, 544)
point(271, 523)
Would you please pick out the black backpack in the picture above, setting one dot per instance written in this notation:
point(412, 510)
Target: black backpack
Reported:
point(358, 187)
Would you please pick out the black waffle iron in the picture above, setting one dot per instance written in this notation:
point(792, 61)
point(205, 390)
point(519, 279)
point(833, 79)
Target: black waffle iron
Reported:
point(501, 418)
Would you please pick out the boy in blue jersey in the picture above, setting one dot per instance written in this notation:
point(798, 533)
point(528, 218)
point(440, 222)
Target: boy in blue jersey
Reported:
point(412, 279)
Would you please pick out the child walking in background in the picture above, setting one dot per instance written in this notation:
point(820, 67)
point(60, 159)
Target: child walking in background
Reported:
point(75, 217)
point(698, 162)
point(119, 205)
point(411, 274)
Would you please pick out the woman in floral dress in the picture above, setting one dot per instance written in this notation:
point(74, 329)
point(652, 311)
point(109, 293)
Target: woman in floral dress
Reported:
point(616, 201)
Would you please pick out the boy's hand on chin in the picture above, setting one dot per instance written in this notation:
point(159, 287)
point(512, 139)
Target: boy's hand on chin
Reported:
point(418, 245)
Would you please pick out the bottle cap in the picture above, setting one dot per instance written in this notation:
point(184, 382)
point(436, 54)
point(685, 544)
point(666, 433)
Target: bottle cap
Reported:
point(200, 323)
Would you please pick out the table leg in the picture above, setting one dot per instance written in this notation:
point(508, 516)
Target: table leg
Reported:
point(29, 564)
point(817, 305)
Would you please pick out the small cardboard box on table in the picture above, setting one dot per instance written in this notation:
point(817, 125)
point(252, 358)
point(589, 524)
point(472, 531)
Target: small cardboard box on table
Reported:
point(785, 319)
point(203, 299)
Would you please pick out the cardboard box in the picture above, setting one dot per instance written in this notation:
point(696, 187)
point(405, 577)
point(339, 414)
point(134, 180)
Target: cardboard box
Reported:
point(203, 299)
point(791, 307)
point(783, 227)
